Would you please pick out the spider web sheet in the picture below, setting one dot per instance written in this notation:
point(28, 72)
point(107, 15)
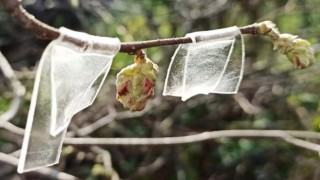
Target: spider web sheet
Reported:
point(213, 63)
point(67, 80)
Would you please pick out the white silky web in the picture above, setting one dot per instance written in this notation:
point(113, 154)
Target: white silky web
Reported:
point(67, 81)
point(213, 63)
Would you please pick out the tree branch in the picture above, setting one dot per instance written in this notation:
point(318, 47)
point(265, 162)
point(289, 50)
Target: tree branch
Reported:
point(287, 135)
point(47, 172)
point(17, 88)
point(28, 21)
point(44, 31)
point(84, 131)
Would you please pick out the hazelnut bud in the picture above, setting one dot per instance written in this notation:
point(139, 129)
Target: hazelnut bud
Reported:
point(135, 83)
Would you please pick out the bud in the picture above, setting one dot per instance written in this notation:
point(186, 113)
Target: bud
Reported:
point(135, 83)
point(268, 28)
point(298, 51)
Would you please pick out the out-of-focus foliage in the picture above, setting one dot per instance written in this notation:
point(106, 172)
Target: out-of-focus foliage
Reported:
point(280, 96)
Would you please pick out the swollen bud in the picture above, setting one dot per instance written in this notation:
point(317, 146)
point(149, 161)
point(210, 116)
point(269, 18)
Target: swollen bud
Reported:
point(298, 51)
point(135, 83)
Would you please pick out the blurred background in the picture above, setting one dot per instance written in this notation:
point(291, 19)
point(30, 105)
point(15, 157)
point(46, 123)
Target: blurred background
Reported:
point(273, 95)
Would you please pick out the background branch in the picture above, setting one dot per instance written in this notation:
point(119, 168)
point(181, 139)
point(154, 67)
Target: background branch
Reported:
point(289, 136)
point(285, 135)
point(44, 31)
point(47, 172)
point(17, 88)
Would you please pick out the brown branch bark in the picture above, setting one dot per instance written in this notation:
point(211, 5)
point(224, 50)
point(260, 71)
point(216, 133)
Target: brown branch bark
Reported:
point(44, 31)
point(28, 21)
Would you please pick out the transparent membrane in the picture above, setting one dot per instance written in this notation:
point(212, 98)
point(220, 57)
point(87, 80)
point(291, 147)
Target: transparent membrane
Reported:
point(213, 63)
point(67, 80)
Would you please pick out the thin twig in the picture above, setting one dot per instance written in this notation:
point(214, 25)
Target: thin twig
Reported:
point(150, 168)
point(302, 143)
point(246, 105)
point(287, 135)
point(47, 172)
point(84, 131)
point(205, 136)
point(93, 126)
point(44, 31)
point(106, 162)
point(17, 87)
point(12, 128)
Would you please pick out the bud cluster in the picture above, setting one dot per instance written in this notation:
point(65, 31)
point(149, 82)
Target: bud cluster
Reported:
point(135, 83)
point(298, 51)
